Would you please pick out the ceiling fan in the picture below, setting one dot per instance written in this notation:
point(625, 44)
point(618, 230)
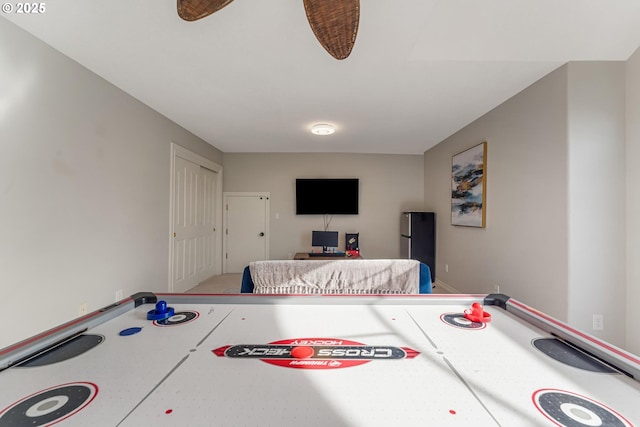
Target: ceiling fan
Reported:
point(334, 22)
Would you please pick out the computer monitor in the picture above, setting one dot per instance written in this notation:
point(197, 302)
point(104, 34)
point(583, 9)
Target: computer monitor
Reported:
point(325, 239)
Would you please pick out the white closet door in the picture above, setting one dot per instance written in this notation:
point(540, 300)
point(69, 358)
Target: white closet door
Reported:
point(209, 253)
point(194, 216)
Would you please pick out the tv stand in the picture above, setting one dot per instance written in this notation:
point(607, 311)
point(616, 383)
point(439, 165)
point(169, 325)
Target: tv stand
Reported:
point(327, 255)
point(324, 256)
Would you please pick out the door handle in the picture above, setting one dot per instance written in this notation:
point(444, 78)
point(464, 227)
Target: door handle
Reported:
point(261, 234)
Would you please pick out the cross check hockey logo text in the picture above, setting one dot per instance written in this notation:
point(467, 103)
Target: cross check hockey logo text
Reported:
point(315, 353)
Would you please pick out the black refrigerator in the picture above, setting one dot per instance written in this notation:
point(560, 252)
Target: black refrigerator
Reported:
point(418, 238)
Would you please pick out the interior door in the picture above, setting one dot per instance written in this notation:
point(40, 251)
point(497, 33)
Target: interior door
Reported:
point(246, 236)
point(207, 264)
point(194, 224)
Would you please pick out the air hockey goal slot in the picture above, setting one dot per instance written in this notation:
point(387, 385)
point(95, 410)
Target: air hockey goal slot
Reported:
point(572, 355)
point(64, 349)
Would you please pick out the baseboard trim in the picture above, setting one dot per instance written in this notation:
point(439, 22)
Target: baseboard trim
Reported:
point(446, 287)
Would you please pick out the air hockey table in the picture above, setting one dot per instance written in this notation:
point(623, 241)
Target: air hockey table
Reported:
point(266, 360)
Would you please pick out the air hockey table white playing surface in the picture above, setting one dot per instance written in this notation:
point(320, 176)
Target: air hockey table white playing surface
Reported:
point(302, 360)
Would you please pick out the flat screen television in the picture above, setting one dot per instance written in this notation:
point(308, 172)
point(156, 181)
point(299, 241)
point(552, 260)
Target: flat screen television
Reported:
point(334, 196)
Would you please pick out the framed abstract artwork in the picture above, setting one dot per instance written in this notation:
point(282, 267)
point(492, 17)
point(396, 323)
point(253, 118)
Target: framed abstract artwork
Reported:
point(468, 187)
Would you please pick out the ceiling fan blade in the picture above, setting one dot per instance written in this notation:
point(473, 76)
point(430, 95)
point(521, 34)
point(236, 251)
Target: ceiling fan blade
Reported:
point(335, 24)
point(192, 10)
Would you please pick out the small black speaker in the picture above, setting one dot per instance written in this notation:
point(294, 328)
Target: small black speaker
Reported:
point(351, 241)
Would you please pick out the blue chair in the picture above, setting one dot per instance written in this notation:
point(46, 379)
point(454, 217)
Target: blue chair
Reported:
point(246, 287)
point(425, 279)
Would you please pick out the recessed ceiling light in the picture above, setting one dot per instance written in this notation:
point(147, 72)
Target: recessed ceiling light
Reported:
point(322, 129)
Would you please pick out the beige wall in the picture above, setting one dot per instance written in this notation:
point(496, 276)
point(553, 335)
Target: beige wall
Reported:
point(389, 184)
point(633, 200)
point(84, 180)
point(596, 211)
point(555, 234)
point(523, 248)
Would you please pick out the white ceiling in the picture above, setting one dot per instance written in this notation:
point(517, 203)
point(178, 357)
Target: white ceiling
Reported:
point(253, 78)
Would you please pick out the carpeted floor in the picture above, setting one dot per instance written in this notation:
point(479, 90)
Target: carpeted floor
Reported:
point(222, 284)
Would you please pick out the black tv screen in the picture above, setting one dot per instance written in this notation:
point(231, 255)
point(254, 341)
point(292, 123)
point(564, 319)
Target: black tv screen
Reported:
point(335, 196)
point(326, 239)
